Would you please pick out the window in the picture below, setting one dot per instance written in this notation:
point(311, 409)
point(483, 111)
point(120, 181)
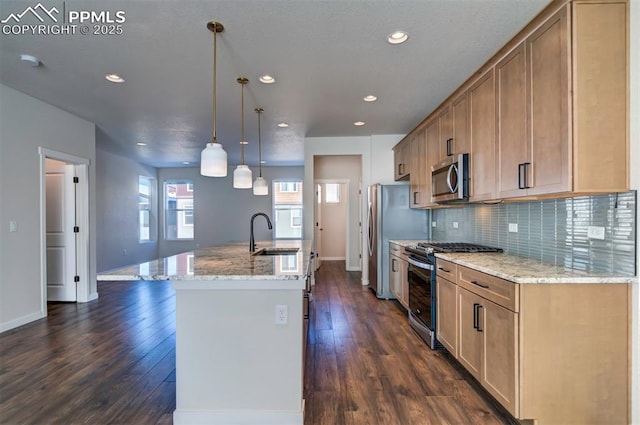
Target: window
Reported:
point(145, 222)
point(179, 219)
point(288, 187)
point(287, 209)
point(332, 193)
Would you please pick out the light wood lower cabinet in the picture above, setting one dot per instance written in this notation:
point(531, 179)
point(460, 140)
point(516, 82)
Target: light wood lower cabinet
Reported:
point(488, 346)
point(398, 274)
point(552, 353)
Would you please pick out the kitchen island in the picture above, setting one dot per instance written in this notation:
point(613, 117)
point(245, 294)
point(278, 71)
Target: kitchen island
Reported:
point(239, 331)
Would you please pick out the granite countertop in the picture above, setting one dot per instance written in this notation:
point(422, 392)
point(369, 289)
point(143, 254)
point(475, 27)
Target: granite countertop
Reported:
point(524, 270)
point(229, 262)
point(405, 242)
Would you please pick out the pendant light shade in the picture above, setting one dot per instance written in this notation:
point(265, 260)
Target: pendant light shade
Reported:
point(242, 176)
point(213, 159)
point(260, 186)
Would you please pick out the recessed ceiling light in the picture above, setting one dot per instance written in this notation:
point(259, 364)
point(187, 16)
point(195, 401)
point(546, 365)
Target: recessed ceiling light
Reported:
point(370, 98)
point(283, 125)
point(397, 37)
point(114, 78)
point(244, 142)
point(31, 60)
point(263, 162)
point(186, 162)
point(267, 79)
point(141, 144)
point(358, 123)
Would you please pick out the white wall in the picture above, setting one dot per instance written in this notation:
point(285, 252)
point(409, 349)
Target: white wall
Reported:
point(222, 213)
point(26, 124)
point(377, 167)
point(634, 113)
point(117, 210)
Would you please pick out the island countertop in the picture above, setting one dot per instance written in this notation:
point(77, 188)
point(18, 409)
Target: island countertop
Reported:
point(524, 270)
point(231, 262)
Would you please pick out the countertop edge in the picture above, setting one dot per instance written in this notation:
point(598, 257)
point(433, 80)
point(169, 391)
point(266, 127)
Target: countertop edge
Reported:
point(551, 279)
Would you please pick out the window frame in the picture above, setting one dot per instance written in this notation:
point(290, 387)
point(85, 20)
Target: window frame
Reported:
point(178, 212)
point(150, 197)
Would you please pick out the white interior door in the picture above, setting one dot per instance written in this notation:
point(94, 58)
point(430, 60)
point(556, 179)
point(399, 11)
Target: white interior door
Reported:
point(333, 207)
point(317, 234)
point(61, 238)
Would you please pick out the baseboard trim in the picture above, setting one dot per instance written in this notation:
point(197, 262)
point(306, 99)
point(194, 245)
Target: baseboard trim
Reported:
point(237, 417)
point(365, 282)
point(12, 324)
point(354, 269)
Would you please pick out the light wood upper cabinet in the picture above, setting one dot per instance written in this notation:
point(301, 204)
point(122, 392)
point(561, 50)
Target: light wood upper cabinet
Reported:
point(445, 122)
point(482, 138)
point(420, 194)
point(402, 157)
point(512, 123)
point(460, 112)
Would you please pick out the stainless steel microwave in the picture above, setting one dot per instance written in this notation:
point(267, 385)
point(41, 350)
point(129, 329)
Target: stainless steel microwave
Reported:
point(450, 179)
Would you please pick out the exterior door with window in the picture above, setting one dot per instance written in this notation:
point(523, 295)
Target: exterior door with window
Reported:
point(333, 210)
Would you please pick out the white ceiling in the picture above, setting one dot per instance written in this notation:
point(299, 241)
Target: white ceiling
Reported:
point(325, 55)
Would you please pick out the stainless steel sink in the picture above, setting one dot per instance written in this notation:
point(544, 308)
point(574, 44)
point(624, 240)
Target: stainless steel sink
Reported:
point(276, 251)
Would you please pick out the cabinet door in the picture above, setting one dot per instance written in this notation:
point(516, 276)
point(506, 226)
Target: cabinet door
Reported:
point(499, 371)
point(512, 123)
point(432, 138)
point(460, 112)
point(404, 283)
point(470, 347)
point(446, 133)
point(549, 122)
point(447, 315)
point(420, 193)
point(401, 160)
point(395, 277)
point(482, 135)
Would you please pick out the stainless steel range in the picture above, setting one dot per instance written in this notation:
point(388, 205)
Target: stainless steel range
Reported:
point(422, 284)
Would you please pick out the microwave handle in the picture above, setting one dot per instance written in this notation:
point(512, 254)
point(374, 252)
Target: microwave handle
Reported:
point(451, 188)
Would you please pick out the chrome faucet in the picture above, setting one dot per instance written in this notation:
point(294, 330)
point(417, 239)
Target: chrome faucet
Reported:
point(252, 242)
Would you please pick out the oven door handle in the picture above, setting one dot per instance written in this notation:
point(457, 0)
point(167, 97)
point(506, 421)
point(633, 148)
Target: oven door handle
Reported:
point(419, 264)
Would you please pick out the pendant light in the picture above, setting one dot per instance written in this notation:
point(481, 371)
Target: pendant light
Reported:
point(260, 186)
point(242, 177)
point(213, 159)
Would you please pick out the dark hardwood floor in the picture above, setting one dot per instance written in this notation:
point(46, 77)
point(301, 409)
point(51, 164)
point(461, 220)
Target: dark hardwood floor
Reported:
point(112, 361)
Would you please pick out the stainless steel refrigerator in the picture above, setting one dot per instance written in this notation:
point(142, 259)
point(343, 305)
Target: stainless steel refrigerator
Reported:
point(389, 217)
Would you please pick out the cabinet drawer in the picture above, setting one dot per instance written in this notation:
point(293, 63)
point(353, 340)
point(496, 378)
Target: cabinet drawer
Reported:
point(446, 269)
point(397, 250)
point(500, 291)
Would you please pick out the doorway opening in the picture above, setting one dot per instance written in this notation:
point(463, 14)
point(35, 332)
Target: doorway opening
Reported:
point(64, 227)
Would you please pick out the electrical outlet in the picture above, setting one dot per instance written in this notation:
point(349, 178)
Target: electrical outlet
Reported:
point(125, 252)
point(13, 226)
point(282, 315)
point(455, 224)
point(433, 224)
point(595, 232)
point(513, 227)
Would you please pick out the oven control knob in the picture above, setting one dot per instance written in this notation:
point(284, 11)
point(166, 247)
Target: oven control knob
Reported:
point(418, 311)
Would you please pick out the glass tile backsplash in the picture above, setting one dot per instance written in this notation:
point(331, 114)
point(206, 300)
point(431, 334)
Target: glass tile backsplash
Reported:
point(554, 230)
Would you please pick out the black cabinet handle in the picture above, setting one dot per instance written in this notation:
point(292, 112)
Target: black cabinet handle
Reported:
point(393, 265)
point(415, 194)
point(526, 182)
point(478, 315)
point(444, 270)
point(520, 167)
point(480, 284)
point(475, 315)
point(449, 150)
point(399, 169)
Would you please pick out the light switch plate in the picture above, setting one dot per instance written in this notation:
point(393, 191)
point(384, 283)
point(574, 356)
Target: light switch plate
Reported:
point(13, 226)
point(513, 227)
point(595, 232)
point(433, 224)
point(455, 224)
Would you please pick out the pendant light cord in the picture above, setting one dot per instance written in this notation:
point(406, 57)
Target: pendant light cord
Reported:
point(259, 111)
point(242, 120)
point(215, 66)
